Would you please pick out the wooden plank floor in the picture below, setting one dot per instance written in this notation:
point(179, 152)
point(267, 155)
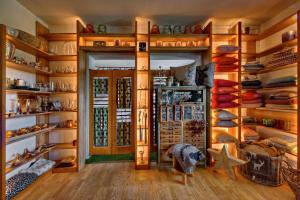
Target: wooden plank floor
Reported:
point(120, 181)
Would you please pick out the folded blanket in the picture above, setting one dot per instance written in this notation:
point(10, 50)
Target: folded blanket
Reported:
point(282, 79)
point(251, 83)
point(287, 107)
point(286, 84)
point(252, 87)
point(284, 94)
point(252, 101)
point(250, 96)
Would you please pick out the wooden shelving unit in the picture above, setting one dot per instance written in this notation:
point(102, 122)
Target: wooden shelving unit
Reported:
point(272, 113)
point(24, 68)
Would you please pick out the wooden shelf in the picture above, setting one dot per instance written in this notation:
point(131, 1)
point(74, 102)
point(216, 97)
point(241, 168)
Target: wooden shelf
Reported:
point(277, 48)
point(25, 68)
point(160, 36)
point(272, 128)
point(65, 146)
point(277, 110)
point(93, 36)
point(73, 92)
point(62, 58)
point(108, 49)
point(60, 36)
point(276, 89)
point(23, 46)
point(220, 37)
point(73, 74)
point(179, 49)
point(27, 135)
point(17, 91)
point(29, 160)
point(279, 26)
point(62, 129)
point(38, 114)
point(250, 37)
point(273, 69)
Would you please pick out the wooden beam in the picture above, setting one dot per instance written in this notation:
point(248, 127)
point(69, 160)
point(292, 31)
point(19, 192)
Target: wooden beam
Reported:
point(2, 114)
point(239, 78)
point(298, 89)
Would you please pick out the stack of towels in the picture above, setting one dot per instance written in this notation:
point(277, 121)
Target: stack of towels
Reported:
point(284, 57)
point(225, 63)
point(253, 66)
point(249, 134)
point(223, 94)
point(251, 100)
point(286, 81)
point(251, 82)
point(282, 100)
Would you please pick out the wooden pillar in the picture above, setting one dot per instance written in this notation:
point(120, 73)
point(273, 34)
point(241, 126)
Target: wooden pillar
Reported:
point(298, 88)
point(239, 79)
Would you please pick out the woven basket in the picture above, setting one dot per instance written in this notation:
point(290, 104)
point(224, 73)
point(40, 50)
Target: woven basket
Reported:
point(292, 177)
point(262, 169)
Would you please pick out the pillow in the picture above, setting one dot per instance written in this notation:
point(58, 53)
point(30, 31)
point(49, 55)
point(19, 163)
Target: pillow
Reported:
point(224, 83)
point(19, 182)
point(224, 115)
point(216, 105)
point(225, 123)
point(224, 90)
point(186, 75)
point(226, 49)
point(205, 75)
point(225, 60)
point(225, 97)
point(221, 136)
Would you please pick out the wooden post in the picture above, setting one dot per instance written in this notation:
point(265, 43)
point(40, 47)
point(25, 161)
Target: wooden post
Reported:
point(239, 78)
point(2, 114)
point(298, 88)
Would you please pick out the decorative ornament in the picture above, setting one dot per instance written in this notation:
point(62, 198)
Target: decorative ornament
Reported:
point(224, 160)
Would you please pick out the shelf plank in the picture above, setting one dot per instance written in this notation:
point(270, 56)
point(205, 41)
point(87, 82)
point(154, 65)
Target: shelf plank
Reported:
point(277, 110)
point(179, 49)
point(221, 37)
point(65, 146)
point(276, 89)
point(60, 36)
point(93, 36)
point(27, 135)
point(62, 129)
point(17, 91)
point(277, 48)
point(272, 128)
point(25, 68)
point(160, 36)
point(73, 74)
point(8, 170)
point(39, 114)
point(108, 49)
point(21, 45)
point(279, 26)
point(62, 57)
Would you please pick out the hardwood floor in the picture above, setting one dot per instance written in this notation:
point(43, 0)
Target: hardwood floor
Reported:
point(120, 181)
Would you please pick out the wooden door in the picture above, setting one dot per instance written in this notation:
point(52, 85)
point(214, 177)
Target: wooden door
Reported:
point(112, 104)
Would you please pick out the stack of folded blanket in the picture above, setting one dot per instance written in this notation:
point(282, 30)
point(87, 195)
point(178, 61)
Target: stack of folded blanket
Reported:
point(284, 57)
point(249, 134)
point(223, 94)
point(251, 100)
point(251, 82)
point(285, 81)
point(282, 100)
point(249, 120)
point(225, 63)
point(253, 66)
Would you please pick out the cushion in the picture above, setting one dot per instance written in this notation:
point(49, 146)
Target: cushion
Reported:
point(225, 97)
point(39, 167)
point(19, 182)
point(221, 136)
point(205, 75)
point(224, 90)
point(224, 115)
point(224, 83)
point(186, 75)
point(225, 123)
point(226, 49)
point(225, 60)
point(216, 105)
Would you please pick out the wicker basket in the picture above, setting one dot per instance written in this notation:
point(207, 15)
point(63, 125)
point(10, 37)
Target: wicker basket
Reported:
point(292, 177)
point(262, 169)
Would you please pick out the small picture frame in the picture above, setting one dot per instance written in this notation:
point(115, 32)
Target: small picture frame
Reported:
point(163, 113)
point(170, 113)
point(198, 112)
point(142, 46)
point(177, 113)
